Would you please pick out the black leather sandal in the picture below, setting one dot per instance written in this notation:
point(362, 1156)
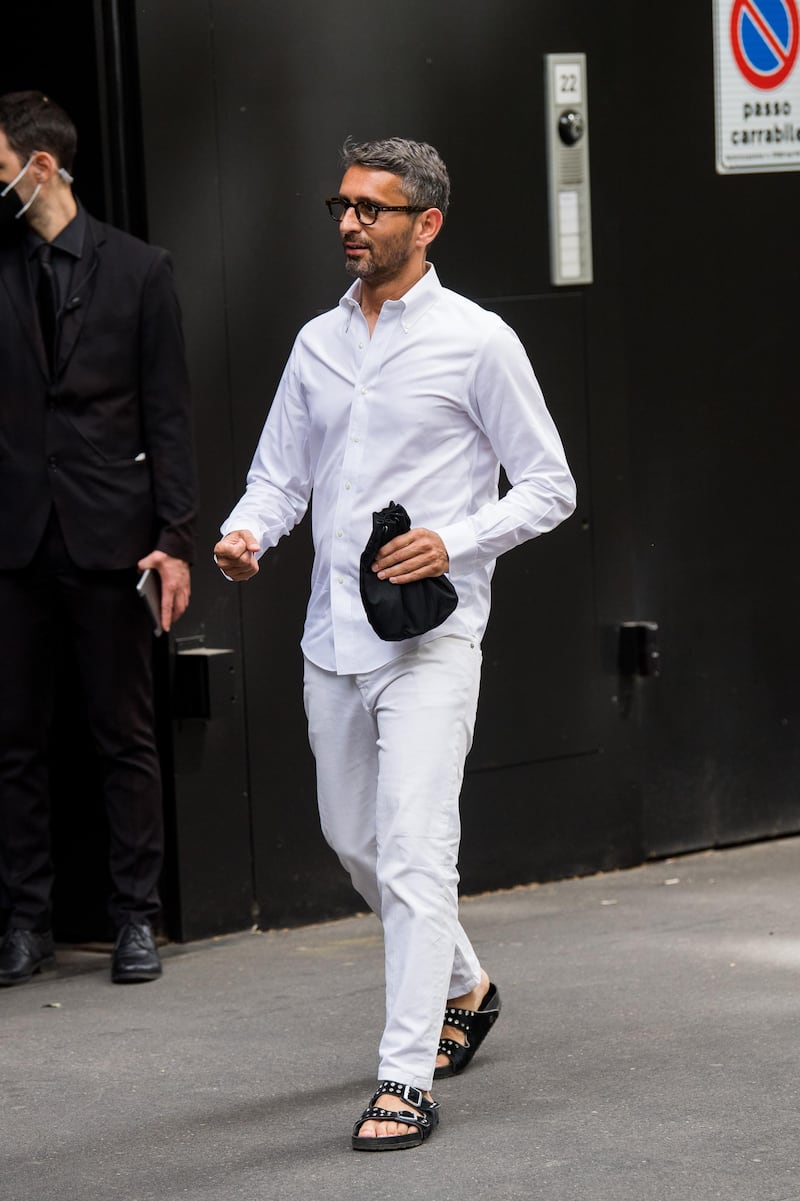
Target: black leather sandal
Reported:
point(424, 1117)
point(476, 1024)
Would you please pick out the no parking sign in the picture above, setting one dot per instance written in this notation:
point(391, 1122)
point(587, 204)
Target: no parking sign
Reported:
point(757, 85)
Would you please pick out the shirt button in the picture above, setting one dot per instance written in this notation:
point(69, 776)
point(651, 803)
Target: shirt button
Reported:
point(339, 533)
point(361, 346)
point(363, 391)
point(347, 486)
point(339, 580)
point(356, 438)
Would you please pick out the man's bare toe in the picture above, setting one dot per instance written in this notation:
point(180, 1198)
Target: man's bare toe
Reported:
point(382, 1129)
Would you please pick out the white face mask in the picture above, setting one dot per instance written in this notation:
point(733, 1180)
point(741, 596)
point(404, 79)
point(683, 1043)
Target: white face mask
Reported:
point(62, 171)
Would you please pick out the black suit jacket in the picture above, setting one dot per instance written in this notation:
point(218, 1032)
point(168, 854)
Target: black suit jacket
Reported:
point(107, 438)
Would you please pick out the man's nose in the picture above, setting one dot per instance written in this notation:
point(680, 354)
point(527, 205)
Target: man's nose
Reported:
point(349, 219)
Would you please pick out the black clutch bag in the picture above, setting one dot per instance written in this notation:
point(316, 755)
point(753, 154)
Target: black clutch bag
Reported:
point(398, 611)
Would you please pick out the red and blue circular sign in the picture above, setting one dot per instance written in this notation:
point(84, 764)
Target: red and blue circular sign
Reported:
point(765, 35)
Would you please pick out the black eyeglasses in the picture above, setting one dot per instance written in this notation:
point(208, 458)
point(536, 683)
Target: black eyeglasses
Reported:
point(366, 212)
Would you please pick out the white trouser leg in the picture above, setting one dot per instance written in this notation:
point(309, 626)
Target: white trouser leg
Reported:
point(390, 747)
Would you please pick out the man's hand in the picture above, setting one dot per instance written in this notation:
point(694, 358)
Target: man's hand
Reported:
point(411, 556)
point(176, 584)
point(235, 555)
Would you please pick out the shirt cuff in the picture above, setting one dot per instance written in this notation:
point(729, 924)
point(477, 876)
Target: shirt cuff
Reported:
point(462, 552)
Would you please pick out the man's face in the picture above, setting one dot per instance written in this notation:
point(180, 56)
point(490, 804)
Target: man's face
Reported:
point(377, 253)
point(10, 163)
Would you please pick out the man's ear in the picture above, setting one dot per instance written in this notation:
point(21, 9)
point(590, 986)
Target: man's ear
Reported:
point(428, 225)
point(43, 166)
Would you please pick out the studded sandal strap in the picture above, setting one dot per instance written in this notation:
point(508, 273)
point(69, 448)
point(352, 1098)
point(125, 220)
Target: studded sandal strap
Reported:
point(393, 1088)
point(375, 1113)
point(460, 1018)
point(448, 1047)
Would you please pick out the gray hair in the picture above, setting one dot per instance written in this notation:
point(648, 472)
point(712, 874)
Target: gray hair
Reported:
point(424, 177)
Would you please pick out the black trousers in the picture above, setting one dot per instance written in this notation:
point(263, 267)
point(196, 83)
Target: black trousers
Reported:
point(111, 643)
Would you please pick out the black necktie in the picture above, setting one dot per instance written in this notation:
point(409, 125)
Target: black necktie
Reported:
point(46, 301)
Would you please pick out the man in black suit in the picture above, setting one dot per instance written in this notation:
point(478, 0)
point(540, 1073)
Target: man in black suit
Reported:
point(97, 483)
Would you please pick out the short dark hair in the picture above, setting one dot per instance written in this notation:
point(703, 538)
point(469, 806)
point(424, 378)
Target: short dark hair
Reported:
point(32, 121)
point(424, 176)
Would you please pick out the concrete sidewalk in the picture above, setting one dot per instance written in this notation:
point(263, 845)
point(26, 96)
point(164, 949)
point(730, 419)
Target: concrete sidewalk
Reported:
point(647, 1051)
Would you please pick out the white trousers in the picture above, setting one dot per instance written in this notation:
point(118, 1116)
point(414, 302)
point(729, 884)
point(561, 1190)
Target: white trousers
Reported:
point(390, 746)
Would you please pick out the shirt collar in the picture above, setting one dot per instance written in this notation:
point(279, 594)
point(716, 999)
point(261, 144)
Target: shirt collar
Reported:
point(415, 302)
point(70, 240)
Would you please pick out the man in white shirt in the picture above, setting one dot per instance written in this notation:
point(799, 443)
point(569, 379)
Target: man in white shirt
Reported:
point(404, 392)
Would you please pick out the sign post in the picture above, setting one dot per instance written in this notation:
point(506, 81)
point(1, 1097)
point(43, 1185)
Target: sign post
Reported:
point(757, 85)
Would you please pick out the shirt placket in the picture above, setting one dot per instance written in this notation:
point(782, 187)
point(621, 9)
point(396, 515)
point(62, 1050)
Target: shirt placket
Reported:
point(349, 537)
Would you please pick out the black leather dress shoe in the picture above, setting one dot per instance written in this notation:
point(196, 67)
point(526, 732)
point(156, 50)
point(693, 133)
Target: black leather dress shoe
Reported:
point(135, 956)
point(23, 953)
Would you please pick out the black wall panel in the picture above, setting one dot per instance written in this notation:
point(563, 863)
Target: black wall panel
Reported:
point(710, 306)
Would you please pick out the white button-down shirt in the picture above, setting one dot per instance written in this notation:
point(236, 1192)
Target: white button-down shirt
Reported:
point(422, 413)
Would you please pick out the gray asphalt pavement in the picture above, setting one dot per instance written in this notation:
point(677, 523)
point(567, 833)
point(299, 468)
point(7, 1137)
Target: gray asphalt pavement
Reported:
point(647, 1050)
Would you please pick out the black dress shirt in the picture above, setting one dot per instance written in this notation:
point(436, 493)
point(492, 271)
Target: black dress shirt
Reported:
point(68, 249)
